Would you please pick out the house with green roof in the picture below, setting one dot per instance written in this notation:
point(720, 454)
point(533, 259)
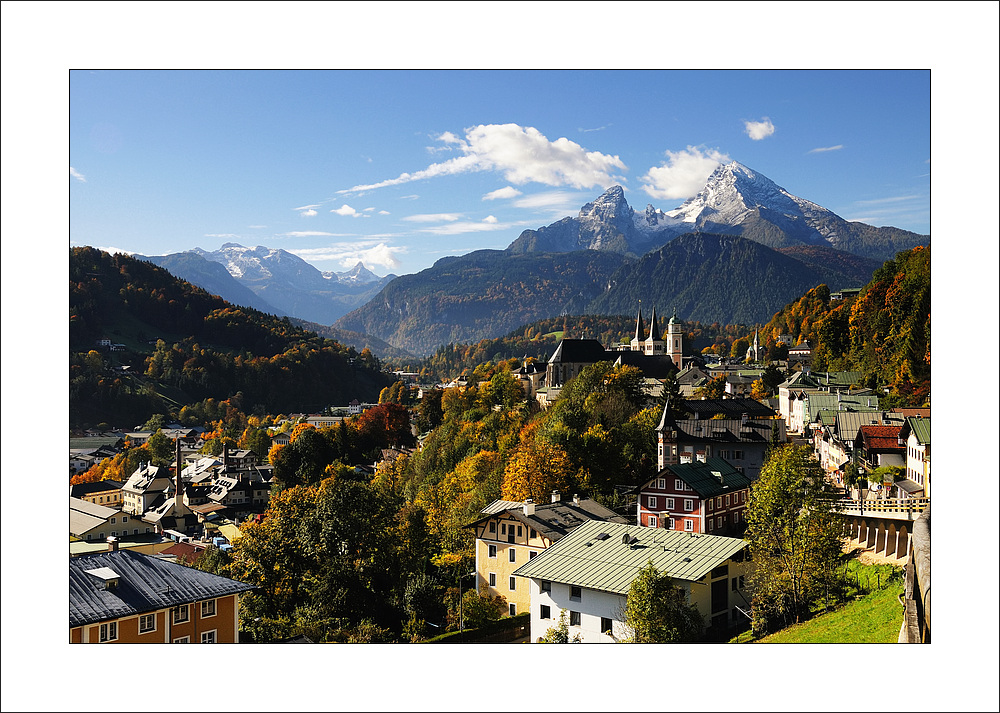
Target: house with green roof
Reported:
point(707, 496)
point(588, 573)
point(916, 434)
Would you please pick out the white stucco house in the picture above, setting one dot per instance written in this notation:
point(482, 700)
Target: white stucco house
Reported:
point(588, 573)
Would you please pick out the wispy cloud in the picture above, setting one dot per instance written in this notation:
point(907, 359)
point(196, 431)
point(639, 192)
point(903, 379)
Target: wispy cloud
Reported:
point(521, 154)
point(222, 235)
point(484, 226)
point(683, 174)
point(307, 207)
point(115, 251)
point(505, 192)
point(890, 199)
point(758, 130)
point(77, 175)
point(599, 128)
point(432, 217)
point(823, 149)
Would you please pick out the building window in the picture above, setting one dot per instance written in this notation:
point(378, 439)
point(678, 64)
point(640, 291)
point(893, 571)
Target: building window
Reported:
point(532, 533)
point(181, 614)
point(512, 609)
point(147, 623)
point(545, 612)
point(208, 637)
point(670, 503)
point(669, 524)
point(688, 505)
point(112, 521)
point(518, 530)
point(689, 525)
point(574, 618)
point(503, 528)
point(492, 551)
point(605, 625)
point(651, 501)
point(546, 586)
point(575, 593)
point(531, 555)
point(124, 518)
point(727, 501)
point(718, 502)
point(182, 640)
point(109, 631)
point(711, 525)
point(737, 455)
point(661, 483)
point(493, 579)
point(652, 521)
point(512, 554)
point(678, 484)
point(512, 584)
point(207, 608)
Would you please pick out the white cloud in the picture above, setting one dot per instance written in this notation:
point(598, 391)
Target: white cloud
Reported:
point(490, 219)
point(308, 213)
point(823, 149)
point(506, 192)
point(521, 154)
point(307, 207)
point(384, 212)
point(432, 217)
point(349, 254)
point(76, 174)
point(683, 174)
point(346, 210)
point(758, 130)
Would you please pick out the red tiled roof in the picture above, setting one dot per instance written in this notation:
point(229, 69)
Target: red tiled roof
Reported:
point(881, 437)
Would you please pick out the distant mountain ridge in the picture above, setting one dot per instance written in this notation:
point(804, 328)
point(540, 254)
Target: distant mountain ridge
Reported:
point(282, 283)
point(710, 278)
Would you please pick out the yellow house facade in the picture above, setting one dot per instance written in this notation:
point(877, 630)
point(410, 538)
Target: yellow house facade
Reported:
point(512, 533)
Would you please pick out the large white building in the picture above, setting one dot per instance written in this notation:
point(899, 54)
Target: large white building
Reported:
point(588, 573)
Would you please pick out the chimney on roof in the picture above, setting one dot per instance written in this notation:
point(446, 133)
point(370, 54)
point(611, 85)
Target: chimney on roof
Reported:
point(576, 499)
point(529, 507)
point(555, 496)
point(225, 458)
point(112, 544)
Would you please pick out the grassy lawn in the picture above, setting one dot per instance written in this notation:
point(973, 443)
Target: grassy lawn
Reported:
point(874, 617)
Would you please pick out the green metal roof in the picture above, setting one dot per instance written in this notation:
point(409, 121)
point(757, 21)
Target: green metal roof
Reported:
point(921, 428)
point(594, 556)
point(702, 476)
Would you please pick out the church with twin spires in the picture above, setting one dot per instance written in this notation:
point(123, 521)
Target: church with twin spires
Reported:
point(652, 344)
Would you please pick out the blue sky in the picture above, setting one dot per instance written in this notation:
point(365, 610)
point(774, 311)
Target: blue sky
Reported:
point(400, 168)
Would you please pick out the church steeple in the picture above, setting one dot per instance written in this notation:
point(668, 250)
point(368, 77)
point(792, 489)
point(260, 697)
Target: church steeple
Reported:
point(654, 327)
point(640, 328)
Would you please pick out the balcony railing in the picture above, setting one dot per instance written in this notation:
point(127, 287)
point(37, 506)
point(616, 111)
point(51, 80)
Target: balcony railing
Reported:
point(907, 508)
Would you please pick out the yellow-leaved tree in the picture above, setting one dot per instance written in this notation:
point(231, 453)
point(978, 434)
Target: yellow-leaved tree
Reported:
point(536, 468)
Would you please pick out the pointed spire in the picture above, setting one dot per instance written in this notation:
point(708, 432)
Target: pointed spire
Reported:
point(640, 328)
point(654, 328)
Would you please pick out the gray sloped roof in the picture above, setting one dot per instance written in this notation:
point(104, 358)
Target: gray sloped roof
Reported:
point(580, 351)
point(701, 476)
point(581, 559)
point(555, 520)
point(145, 584)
